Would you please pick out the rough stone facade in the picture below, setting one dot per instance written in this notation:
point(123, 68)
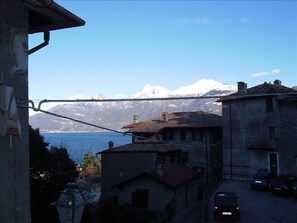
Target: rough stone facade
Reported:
point(259, 132)
point(14, 152)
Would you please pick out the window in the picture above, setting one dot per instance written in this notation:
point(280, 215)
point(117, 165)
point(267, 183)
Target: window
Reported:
point(170, 135)
point(269, 104)
point(194, 135)
point(182, 135)
point(184, 157)
point(197, 134)
point(140, 198)
point(271, 132)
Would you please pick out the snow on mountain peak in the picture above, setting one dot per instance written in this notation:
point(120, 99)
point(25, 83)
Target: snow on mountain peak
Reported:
point(201, 87)
point(151, 91)
point(99, 96)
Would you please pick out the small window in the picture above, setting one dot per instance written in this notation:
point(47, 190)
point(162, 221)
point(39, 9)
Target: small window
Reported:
point(271, 132)
point(269, 104)
point(170, 135)
point(185, 157)
point(140, 198)
point(182, 135)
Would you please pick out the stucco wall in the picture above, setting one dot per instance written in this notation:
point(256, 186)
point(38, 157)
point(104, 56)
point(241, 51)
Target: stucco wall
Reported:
point(288, 140)
point(209, 142)
point(14, 152)
point(247, 119)
point(250, 120)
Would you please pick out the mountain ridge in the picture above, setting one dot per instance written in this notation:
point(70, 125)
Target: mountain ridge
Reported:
point(114, 115)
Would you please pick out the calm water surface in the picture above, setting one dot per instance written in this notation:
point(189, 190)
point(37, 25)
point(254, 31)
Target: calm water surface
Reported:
point(79, 144)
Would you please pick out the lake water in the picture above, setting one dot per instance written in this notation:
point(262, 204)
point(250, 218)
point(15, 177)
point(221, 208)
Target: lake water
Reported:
point(79, 144)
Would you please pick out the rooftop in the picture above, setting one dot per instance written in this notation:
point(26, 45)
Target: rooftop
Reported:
point(151, 147)
point(173, 175)
point(46, 15)
point(259, 91)
point(197, 119)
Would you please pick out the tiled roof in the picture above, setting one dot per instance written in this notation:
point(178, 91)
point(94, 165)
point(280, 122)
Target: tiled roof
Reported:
point(173, 175)
point(259, 90)
point(143, 147)
point(197, 119)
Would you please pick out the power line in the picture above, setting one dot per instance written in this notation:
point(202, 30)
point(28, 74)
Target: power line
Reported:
point(38, 107)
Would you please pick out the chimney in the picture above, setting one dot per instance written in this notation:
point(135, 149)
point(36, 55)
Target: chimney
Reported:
point(165, 116)
point(110, 144)
point(241, 87)
point(277, 82)
point(135, 119)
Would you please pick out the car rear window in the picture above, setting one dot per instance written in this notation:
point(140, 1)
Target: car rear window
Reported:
point(224, 200)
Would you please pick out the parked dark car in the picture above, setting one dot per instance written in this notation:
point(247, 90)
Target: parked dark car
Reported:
point(295, 190)
point(260, 181)
point(226, 206)
point(282, 184)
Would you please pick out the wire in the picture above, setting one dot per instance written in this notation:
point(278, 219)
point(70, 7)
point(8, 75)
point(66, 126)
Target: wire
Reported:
point(111, 100)
point(116, 131)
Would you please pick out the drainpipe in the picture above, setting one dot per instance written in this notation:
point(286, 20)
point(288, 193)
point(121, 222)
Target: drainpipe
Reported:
point(46, 37)
point(230, 140)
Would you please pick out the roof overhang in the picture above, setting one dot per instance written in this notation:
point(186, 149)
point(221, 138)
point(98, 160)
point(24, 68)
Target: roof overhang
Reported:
point(46, 15)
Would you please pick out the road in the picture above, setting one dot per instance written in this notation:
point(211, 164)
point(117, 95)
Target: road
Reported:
point(258, 206)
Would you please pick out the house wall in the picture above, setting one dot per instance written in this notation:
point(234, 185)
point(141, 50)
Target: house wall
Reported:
point(203, 152)
point(186, 195)
point(247, 121)
point(118, 166)
point(14, 152)
point(288, 141)
point(160, 194)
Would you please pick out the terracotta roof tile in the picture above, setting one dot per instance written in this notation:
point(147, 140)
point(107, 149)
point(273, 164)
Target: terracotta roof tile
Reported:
point(197, 119)
point(174, 175)
point(259, 90)
point(143, 147)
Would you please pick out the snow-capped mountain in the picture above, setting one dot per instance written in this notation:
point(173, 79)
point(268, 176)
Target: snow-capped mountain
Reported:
point(114, 115)
point(203, 86)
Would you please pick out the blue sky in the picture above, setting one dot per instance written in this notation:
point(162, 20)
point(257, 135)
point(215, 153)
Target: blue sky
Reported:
point(127, 44)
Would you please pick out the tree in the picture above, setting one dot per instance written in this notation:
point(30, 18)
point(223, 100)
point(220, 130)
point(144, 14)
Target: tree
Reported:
point(91, 164)
point(50, 171)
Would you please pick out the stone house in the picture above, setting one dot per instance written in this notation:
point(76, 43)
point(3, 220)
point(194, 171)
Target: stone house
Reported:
point(198, 134)
point(172, 187)
point(259, 130)
point(124, 162)
point(189, 138)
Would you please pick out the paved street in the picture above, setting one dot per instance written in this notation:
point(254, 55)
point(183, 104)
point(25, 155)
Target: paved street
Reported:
point(255, 206)
point(259, 206)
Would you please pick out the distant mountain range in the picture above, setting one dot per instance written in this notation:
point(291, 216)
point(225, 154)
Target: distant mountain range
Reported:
point(114, 115)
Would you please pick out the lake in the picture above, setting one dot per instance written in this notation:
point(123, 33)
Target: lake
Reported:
point(79, 143)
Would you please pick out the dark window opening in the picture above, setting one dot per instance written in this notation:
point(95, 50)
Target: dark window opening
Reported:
point(140, 198)
point(269, 104)
point(170, 135)
point(271, 132)
point(184, 157)
point(182, 135)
